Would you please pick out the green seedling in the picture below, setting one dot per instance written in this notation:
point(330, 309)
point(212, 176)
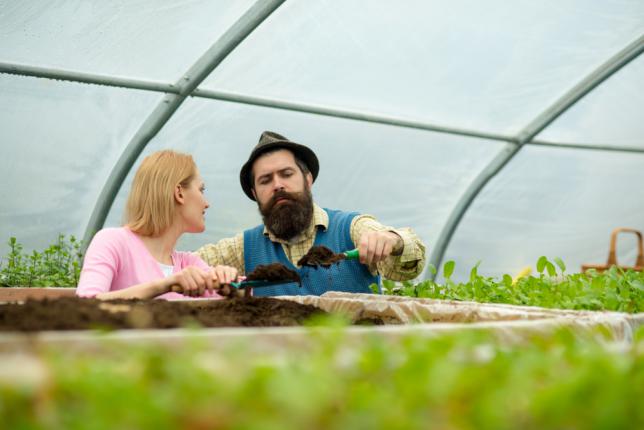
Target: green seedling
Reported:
point(58, 265)
point(613, 290)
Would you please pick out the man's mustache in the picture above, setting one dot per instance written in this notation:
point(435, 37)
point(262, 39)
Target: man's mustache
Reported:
point(281, 195)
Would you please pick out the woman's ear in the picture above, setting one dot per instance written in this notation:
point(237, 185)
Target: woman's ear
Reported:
point(178, 194)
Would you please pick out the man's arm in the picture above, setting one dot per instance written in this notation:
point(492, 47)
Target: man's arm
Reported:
point(228, 252)
point(397, 254)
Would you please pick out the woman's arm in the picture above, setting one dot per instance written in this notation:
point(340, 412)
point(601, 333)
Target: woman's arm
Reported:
point(104, 261)
point(147, 290)
point(191, 281)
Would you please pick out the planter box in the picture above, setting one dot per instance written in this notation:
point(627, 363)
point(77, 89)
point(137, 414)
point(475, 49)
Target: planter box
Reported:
point(406, 316)
point(19, 294)
point(408, 310)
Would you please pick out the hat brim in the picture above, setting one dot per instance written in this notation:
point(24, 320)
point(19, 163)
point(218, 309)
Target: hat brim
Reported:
point(300, 151)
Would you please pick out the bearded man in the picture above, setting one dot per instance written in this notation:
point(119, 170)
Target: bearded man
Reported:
point(278, 175)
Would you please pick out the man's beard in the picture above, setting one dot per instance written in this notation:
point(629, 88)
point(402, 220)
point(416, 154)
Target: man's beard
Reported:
point(291, 218)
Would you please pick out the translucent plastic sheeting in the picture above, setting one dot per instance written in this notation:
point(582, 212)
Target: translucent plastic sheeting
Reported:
point(490, 66)
point(59, 143)
point(146, 39)
point(402, 176)
point(612, 114)
point(555, 202)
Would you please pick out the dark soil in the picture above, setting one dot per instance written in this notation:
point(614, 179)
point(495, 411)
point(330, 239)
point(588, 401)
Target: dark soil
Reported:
point(320, 256)
point(273, 272)
point(73, 313)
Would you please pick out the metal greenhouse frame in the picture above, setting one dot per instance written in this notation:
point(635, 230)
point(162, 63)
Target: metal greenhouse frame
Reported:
point(187, 86)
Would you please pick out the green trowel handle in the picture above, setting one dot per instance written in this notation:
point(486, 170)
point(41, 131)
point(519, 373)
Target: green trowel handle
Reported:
point(244, 284)
point(352, 255)
point(258, 283)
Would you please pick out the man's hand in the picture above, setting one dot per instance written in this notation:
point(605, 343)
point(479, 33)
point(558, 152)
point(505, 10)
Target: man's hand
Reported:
point(375, 246)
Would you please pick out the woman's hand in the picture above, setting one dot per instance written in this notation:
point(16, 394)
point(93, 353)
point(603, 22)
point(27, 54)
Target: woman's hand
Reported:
point(193, 281)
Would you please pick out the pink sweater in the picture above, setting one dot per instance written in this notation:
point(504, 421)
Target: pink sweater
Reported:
point(118, 259)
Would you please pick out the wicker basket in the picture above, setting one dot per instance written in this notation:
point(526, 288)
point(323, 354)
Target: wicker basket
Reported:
point(612, 254)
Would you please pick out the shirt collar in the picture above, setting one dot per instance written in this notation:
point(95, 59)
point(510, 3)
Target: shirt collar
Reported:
point(320, 219)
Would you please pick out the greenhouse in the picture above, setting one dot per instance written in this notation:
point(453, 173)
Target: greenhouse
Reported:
point(508, 136)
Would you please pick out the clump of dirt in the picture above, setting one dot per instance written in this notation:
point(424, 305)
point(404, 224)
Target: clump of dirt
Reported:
point(320, 256)
point(273, 272)
point(73, 313)
point(369, 321)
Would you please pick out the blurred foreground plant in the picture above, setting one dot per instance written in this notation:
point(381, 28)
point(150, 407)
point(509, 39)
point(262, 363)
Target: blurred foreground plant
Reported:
point(467, 380)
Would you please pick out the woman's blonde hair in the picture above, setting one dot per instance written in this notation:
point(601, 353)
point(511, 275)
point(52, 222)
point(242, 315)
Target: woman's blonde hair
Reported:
point(150, 208)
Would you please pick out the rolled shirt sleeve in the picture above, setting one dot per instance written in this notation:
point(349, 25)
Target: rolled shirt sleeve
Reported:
point(229, 252)
point(408, 265)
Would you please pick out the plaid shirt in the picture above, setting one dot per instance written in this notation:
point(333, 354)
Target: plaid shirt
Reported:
point(405, 266)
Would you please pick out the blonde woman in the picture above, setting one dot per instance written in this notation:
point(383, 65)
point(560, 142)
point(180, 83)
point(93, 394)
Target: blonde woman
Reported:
point(139, 260)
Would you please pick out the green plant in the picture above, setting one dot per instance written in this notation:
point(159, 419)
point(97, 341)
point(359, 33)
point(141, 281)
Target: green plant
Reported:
point(459, 381)
point(58, 265)
point(614, 289)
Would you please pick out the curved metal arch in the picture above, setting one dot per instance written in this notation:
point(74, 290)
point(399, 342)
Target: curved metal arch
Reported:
point(567, 100)
point(586, 85)
point(245, 25)
point(188, 86)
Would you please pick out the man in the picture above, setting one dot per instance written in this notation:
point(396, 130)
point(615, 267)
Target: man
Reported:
point(278, 175)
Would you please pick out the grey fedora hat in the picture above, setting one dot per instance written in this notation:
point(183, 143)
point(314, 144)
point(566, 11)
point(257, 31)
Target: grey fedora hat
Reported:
point(269, 141)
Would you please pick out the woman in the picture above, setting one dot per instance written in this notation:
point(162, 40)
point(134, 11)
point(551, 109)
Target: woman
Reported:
point(138, 260)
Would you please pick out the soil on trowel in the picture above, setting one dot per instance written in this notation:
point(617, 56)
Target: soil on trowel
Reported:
point(273, 272)
point(73, 313)
point(320, 256)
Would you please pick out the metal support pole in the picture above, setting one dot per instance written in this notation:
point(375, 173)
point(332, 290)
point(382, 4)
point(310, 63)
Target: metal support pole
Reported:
point(572, 96)
point(245, 25)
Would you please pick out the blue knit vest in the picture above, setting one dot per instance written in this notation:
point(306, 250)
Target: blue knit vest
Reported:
point(348, 275)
